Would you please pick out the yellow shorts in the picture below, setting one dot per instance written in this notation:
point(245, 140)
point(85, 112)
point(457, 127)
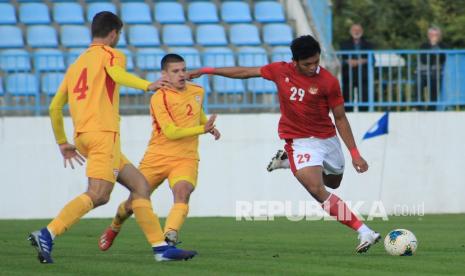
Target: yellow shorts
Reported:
point(156, 168)
point(103, 153)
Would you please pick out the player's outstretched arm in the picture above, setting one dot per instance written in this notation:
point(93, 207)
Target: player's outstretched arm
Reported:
point(122, 77)
point(237, 72)
point(343, 127)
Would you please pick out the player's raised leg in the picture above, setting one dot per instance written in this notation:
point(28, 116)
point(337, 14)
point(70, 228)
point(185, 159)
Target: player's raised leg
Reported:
point(312, 179)
point(278, 161)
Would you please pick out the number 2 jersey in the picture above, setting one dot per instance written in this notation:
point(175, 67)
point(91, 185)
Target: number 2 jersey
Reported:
point(93, 97)
point(304, 101)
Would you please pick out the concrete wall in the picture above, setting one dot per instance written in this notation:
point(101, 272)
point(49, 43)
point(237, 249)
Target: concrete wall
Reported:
point(420, 163)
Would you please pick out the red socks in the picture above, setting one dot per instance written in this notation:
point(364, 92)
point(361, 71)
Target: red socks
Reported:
point(338, 209)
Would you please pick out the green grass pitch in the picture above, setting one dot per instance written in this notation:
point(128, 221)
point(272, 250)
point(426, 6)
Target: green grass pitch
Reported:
point(227, 246)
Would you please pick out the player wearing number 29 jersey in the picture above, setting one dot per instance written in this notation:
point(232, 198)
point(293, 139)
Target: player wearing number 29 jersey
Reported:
point(304, 101)
point(307, 93)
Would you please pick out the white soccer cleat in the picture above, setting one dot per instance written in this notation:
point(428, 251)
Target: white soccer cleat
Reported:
point(367, 239)
point(279, 161)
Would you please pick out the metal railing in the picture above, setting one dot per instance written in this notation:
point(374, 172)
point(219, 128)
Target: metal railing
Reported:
point(385, 80)
point(403, 79)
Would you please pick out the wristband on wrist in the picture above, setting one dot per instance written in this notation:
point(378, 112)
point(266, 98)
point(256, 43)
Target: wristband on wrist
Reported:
point(207, 70)
point(354, 153)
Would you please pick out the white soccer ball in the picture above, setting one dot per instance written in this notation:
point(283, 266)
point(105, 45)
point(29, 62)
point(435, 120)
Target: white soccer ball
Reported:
point(400, 242)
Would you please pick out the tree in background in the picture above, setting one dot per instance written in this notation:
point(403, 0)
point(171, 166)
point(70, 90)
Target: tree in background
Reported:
point(400, 24)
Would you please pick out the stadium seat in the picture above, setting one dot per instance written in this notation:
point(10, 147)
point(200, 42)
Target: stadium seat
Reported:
point(129, 59)
point(149, 58)
point(218, 57)
point(235, 12)
point(281, 53)
point(22, 84)
point(202, 12)
point(244, 34)
point(227, 85)
point(50, 82)
point(11, 37)
point(169, 13)
point(204, 82)
point(41, 36)
point(269, 12)
point(191, 56)
point(75, 36)
point(94, 8)
point(277, 34)
point(15, 60)
point(73, 54)
point(177, 35)
point(252, 56)
point(260, 85)
point(34, 13)
point(49, 60)
point(68, 13)
point(211, 35)
point(143, 36)
point(8, 14)
point(135, 13)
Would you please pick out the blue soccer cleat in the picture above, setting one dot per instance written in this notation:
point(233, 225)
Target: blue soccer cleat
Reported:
point(171, 253)
point(43, 243)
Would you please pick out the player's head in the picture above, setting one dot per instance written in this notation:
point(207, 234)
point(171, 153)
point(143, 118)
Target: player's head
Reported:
point(306, 54)
point(173, 68)
point(107, 25)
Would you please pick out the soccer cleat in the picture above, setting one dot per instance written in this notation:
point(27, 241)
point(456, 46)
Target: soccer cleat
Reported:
point(43, 243)
point(279, 161)
point(367, 239)
point(171, 238)
point(106, 239)
point(171, 253)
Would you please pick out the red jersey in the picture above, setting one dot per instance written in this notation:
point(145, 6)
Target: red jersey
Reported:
point(304, 101)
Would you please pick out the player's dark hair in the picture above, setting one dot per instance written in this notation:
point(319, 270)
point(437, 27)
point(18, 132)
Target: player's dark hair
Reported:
point(304, 47)
point(104, 22)
point(170, 58)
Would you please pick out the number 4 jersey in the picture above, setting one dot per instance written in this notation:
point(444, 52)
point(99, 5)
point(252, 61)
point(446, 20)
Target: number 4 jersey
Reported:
point(93, 97)
point(304, 101)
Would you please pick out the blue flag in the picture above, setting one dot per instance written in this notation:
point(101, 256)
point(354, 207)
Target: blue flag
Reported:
point(379, 128)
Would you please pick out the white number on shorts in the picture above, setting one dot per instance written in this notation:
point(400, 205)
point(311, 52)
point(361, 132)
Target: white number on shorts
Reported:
point(297, 92)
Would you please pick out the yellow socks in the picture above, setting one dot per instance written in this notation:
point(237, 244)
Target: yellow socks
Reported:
point(121, 216)
point(70, 214)
point(176, 217)
point(148, 221)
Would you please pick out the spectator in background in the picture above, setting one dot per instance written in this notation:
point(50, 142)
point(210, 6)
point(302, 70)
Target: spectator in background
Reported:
point(355, 68)
point(431, 68)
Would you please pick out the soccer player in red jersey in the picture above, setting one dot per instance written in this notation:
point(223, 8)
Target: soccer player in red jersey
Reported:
point(307, 92)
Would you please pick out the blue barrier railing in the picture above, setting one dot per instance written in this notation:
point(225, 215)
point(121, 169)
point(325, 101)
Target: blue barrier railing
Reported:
point(412, 79)
point(385, 80)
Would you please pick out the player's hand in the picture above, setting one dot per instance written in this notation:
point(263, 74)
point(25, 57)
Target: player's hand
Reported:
point(210, 124)
point(160, 83)
point(360, 165)
point(194, 74)
point(69, 153)
point(216, 133)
